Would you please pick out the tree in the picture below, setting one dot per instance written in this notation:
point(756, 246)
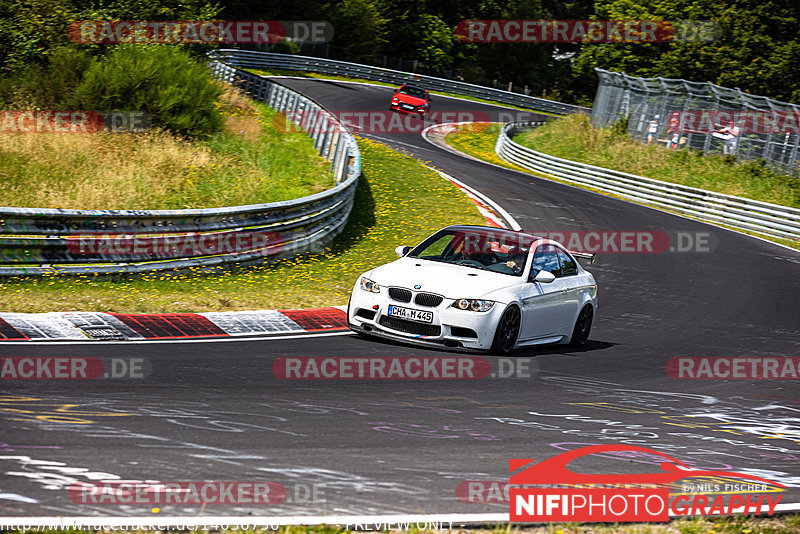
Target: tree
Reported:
point(757, 49)
point(359, 30)
point(423, 37)
point(160, 80)
point(30, 30)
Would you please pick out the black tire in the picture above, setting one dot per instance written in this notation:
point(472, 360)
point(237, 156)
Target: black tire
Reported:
point(505, 337)
point(583, 327)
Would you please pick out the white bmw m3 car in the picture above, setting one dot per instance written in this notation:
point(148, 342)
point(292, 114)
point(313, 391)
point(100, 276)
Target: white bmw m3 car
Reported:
point(477, 288)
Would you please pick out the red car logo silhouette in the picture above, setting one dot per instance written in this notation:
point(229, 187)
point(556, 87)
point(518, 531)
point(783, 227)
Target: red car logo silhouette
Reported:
point(554, 470)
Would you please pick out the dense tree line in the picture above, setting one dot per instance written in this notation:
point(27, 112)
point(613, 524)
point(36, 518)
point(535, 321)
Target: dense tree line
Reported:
point(757, 50)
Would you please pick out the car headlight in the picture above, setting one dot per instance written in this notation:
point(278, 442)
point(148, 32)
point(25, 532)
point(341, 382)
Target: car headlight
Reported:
point(476, 305)
point(369, 285)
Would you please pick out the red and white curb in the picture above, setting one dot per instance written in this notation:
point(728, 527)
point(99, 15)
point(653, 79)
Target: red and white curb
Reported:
point(87, 326)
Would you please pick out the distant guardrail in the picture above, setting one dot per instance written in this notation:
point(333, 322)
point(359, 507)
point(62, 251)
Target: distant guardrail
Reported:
point(266, 60)
point(759, 217)
point(49, 241)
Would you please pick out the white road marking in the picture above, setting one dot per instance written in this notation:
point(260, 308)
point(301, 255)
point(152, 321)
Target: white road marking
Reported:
point(187, 340)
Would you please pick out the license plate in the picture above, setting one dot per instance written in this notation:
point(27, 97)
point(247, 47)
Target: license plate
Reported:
point(406, 106)
point(412, 315)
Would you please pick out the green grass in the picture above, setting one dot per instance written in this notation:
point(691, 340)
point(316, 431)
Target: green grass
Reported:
point(398, 202)
point(318, 76)
point(479, 141)
point(573, 138)
point(251, 162)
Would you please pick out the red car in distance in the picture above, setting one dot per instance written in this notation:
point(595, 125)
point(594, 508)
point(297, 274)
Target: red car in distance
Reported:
point(411, 99)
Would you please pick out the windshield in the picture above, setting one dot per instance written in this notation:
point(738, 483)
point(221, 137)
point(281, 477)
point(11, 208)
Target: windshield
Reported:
point(499, 251)
point(412, 91)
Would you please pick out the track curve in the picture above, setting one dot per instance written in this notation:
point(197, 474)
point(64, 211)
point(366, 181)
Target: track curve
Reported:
point(216, 412)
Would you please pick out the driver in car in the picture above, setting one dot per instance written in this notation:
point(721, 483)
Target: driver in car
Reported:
point(516, 262)
point(515, 258)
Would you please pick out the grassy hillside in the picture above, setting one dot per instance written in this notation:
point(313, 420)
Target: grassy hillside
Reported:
point(249, 162)
point(572, 137)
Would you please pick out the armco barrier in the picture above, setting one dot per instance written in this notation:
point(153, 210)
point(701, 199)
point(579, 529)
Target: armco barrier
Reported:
point(737, 212)
point(41, 241)
point(265, 60)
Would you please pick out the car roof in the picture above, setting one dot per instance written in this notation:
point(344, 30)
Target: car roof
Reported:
point(488, 228)
point(412, 87)
point(533, 238)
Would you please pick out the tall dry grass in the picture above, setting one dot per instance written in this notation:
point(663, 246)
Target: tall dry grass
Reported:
point(97, 171)
point(248, 163)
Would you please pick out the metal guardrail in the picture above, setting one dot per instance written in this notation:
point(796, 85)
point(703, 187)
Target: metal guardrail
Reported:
point(125, 241)
point(759, 217)
point(266, 60)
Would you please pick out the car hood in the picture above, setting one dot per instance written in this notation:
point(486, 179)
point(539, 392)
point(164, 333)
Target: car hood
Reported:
point(452, 281)
point(408, 99)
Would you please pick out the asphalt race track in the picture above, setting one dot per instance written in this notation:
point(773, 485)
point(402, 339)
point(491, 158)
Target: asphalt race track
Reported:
point(215, 411)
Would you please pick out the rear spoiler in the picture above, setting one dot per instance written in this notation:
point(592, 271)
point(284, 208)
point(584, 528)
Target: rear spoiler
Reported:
point(584, 255)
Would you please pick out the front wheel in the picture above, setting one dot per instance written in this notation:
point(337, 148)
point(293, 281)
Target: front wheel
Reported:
point(505, 337)
point(580, 334)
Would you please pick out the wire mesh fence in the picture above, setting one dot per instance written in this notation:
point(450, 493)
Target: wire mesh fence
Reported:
point(701, 116)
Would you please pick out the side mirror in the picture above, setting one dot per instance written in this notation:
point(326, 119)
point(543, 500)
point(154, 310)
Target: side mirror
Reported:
point(402, 250)
point(545, 277)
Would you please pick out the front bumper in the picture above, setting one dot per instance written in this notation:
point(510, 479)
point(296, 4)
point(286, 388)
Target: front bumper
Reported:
point(451, 328)
point(415, 111)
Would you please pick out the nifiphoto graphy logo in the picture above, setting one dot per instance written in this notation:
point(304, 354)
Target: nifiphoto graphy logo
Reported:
point(547, 490)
